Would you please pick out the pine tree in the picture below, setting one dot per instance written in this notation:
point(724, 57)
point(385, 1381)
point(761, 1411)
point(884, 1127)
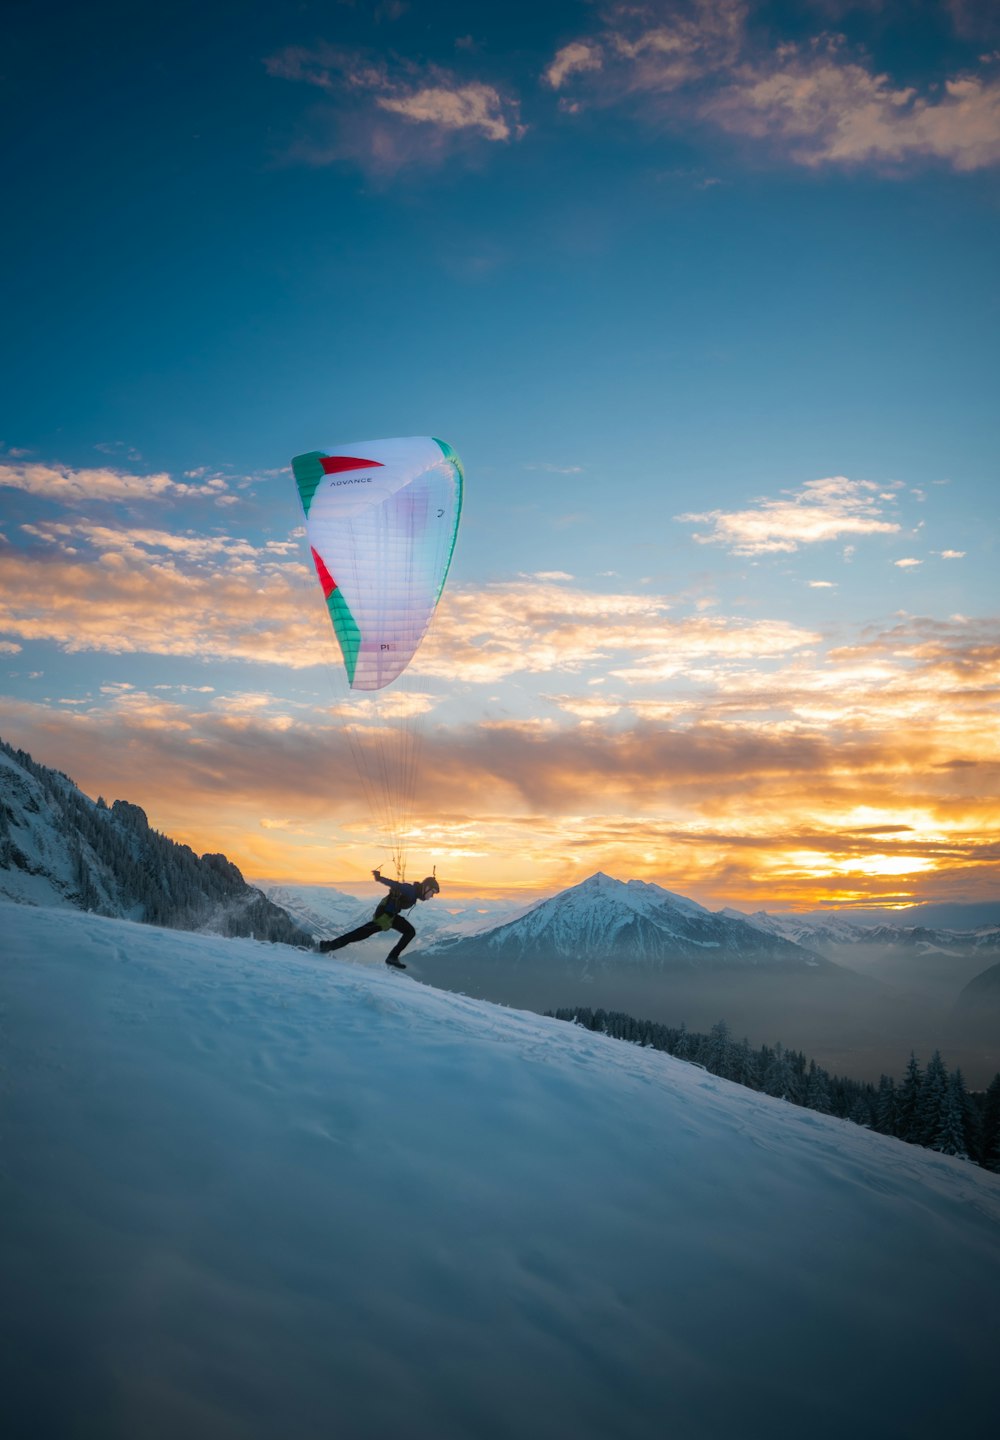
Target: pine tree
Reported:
point(818, 1089)
point(861, 1110)
point(886, 1106)
point(746, 1069)
point(780, 1079)
point(950, 1136)
point(719, 1051)
point(933, 1098)
point(908, 1104)
point(971, 1120)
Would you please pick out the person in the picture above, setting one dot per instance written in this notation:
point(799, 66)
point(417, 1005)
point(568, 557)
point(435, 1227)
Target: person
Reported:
point(388, 915)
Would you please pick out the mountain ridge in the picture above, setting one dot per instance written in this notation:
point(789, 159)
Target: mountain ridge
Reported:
point(59, 847)
point(602, 920)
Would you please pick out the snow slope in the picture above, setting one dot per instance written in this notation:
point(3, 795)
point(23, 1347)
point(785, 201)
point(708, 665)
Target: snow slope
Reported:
point(249, 1192)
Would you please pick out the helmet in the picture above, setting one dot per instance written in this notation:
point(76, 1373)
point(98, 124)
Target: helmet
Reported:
point(430, 886)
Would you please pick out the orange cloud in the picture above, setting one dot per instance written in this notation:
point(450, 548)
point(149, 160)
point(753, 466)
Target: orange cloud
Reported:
point(731, 802)
point(127, 602)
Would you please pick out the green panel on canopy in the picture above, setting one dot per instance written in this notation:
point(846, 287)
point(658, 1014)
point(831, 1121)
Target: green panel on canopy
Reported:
point(450, 454)
point(308, 473)
point(348, 634)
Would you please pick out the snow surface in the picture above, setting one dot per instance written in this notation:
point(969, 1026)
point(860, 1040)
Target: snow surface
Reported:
point(251, 1192)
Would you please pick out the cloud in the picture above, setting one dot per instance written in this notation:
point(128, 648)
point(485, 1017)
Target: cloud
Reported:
point(952, 554)
point(140, 543)
point(83, 487)
point(573, 59)
point(649, 49)
point(821, 510)
point(224, 600)
point(373, 711)
point(386, 116)
point(540, 627)
point(142, 590)
point(908, 563)
point(825, 110)
point(475, 107)
point(692, 646)
point(723, 805)
point(725, 756)
point(813, 103)
point(203, 598)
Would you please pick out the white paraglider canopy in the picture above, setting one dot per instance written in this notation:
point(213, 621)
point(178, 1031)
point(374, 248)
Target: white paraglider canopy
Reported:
point(381, 520)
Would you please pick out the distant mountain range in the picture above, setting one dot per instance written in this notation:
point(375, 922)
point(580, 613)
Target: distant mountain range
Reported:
point(831, 932)
point(603, 922)
point(857, 1002)
point(58, 847)
point(637, 947)
point(926, 961)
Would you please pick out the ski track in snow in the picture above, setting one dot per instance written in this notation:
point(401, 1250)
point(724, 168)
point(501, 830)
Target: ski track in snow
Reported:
point(253, 1192)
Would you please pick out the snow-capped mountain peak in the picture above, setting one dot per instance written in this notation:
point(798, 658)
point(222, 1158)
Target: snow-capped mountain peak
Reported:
point(604, 919)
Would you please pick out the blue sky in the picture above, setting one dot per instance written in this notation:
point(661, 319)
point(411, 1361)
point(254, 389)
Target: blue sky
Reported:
point(638, 264)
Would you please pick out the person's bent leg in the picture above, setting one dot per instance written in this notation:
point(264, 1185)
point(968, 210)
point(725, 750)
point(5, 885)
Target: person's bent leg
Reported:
point(361, 933)
point(406, 933)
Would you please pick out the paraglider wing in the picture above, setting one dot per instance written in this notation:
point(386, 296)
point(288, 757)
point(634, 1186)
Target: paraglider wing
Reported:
point(381, 519)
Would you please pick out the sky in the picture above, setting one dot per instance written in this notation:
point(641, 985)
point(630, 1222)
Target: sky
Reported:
point(706, 298)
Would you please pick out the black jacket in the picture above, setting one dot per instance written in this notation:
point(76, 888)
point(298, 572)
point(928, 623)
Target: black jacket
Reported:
point(401, 896)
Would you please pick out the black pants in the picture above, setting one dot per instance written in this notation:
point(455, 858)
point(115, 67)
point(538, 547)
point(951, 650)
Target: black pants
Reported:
point(363, 932)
